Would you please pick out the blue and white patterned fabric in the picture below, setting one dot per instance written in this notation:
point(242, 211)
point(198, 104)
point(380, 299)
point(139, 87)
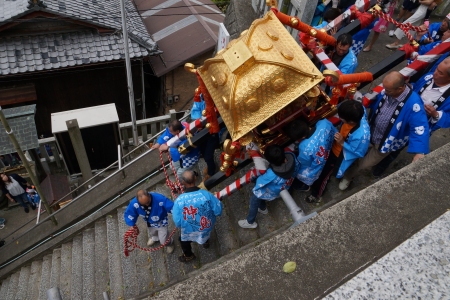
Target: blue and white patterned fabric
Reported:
point(154, 215)
point(164, 138)
point(314, 152)
point(195, 213)
point(411, 126)
point(433, 29)
point(444, 108)
point(359, 39)
point(190, 159)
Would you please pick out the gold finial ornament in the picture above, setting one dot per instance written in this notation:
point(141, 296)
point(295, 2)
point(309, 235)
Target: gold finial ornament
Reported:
point(208, 125)
point(265, 71)
point(190, 68)
point(333, 74)
point(312, 32)
point(272, 3)
point(204, 112)
point(294, 22)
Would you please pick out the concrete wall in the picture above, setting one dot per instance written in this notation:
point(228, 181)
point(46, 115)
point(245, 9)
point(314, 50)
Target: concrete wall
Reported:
point(182, 83)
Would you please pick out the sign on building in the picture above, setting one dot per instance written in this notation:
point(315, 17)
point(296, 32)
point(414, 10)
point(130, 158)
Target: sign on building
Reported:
point(224, 37)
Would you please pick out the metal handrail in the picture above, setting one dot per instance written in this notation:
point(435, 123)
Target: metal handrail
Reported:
point(107, 168)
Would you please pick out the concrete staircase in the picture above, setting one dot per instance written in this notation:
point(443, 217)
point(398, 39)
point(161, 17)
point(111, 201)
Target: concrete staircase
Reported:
point(93, 261)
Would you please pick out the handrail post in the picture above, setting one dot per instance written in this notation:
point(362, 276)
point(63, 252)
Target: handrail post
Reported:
point(25, 163)
point(119, 154)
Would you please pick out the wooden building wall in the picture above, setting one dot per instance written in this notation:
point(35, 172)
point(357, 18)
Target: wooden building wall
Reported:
point(84, 87)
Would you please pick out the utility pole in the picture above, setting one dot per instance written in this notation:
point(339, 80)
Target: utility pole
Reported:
point(129, 78)
point(25, 163)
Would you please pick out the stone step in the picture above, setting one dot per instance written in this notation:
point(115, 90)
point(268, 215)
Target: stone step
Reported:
point(76, 286)
point(114, 257)
point(89, 263)
point(128, 263)
point(13, 286)
point(23, 283)
point(44, 284)
point(65, 279)
point(176, 270)
point(56, 268)
point(101, 259)
point(34, 281)
point(4, 288)
point(143, 260)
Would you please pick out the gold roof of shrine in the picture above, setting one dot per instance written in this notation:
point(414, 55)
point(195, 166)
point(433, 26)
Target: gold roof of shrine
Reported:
point(257, 75)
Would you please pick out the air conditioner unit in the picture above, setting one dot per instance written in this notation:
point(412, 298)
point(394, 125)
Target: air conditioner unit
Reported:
point(169, 100)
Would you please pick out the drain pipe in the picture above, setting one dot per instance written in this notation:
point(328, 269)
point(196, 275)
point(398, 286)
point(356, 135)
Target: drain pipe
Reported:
point(296, 212)
point(105, 296)
point(54, 294)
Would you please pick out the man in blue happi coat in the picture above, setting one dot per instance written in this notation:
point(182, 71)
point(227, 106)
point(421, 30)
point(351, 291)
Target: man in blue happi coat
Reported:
point(398, 118)
point(194, 212)
point(181, 162)
point(153, 208)
point(434, 89)
point(342, 56)
point(279, 176)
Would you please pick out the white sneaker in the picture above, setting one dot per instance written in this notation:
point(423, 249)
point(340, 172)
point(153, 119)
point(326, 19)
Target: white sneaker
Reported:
point(169, 249)
point(245, 224)
point(264, 212)
point(150, 242)
point(391, 33)
point(343, 185)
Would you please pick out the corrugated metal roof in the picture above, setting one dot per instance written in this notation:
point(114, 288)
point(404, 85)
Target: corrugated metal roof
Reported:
point(105, 13)
point(183, 29)
point(23, 54)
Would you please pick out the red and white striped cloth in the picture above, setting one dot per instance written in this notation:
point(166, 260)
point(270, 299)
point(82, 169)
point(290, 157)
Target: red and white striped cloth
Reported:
point(176, 140)
point(417, 65)
point(361, 5)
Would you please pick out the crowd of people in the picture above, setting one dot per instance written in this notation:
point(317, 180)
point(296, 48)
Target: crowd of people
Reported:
point(403, 116)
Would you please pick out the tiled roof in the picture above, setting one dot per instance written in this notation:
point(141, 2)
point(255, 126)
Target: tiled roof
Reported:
point(21, 121)
point(104, 13)
point(52, 51)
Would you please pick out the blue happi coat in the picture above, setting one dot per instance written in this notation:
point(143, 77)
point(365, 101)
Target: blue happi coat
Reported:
point(195, 213)
point(155, 215)
point(411, 126)
point(444, 121)
point(433, 29)
point(268, 186)
point(197, 108)
point(355, 146)
point(348, 64)
point(189, 159)
point(314, 152)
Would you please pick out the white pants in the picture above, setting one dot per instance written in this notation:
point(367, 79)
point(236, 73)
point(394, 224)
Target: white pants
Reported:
point(414, 20)
point(158, 234)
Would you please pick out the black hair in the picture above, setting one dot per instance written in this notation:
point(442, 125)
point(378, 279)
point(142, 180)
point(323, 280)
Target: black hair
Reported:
point(296, 130)
point(331, 14)
point(176, 125)
point(345, 39)
point(275, 155)
point(351, 111)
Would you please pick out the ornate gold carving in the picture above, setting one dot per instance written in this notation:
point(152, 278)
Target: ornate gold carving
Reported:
point(273, 35)
point(314, 92)
point(252, 104)
point(221, 78)
point(244, 32)
point(225, 102)
point(260, 89)
point(265, 45)
point(214, 81)
point(190, 68)
point(246, 139)
point(294, 22)
point(279, 85)
point(287, 54)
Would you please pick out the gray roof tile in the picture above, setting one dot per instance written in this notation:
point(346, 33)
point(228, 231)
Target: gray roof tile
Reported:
point(44, 56)
point(104, 13)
